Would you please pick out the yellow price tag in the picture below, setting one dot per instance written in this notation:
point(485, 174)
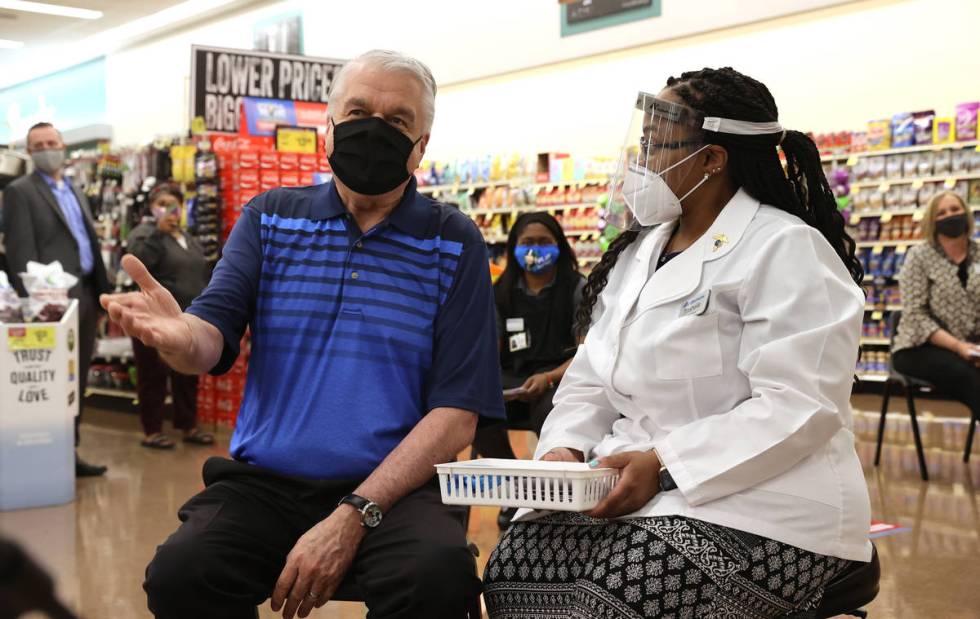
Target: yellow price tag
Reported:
point(877, 249)
point(852, 160)
point(877, 315)
point(977, 148)
point(886, 217)
point(949, 183)
point(198, 127)
point(919, 215)
point(30, 338)
point(901, 249)
point(855, 219)
point(884, 187)
point(300, 140)
point(918, 183)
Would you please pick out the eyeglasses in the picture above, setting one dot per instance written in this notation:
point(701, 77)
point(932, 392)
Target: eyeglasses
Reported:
point(646, 144)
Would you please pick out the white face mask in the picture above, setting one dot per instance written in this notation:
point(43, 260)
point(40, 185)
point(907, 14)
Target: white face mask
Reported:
point(649, 197)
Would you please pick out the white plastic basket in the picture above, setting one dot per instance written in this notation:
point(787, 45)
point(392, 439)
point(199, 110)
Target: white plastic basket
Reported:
point(561, 486)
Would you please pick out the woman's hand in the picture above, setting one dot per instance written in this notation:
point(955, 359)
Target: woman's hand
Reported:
point(535, 386)
point(969, 352)
point(564, 454)
point(639, 481)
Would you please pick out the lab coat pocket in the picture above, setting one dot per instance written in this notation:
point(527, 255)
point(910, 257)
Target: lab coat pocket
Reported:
point(688, 347)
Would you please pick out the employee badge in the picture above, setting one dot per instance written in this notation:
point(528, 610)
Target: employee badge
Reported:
point(519, 342)
point(695, 306)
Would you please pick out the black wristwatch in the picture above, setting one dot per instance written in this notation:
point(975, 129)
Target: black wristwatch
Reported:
point(666, 480)
point(370, 512)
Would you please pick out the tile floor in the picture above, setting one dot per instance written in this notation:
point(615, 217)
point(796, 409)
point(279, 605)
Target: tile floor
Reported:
point(97, 547)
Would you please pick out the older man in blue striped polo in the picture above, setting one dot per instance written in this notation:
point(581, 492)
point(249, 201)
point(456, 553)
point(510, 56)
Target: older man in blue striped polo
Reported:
point(373, 353)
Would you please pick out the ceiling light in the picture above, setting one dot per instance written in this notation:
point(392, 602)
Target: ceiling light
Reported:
point(49, 9)
point(8, 44)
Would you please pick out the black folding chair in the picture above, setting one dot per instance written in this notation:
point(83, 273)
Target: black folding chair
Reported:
point(912, 386)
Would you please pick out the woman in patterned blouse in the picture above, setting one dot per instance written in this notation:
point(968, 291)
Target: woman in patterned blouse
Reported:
point(940, 327)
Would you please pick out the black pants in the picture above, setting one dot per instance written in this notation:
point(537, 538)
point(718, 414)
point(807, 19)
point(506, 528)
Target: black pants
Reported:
point(88, 316)
point(949, 372)
point(491, 440)
point(152, 374)
point(225, 558)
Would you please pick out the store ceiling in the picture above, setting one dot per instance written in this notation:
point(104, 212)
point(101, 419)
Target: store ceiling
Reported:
point(37, 30)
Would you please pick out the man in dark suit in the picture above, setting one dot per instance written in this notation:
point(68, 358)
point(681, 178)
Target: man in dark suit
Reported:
point(47, 219)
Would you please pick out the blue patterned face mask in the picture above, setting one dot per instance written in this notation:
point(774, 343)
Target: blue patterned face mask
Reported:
point(537, 258)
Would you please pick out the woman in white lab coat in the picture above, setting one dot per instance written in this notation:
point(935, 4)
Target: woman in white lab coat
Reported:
point(716, 376)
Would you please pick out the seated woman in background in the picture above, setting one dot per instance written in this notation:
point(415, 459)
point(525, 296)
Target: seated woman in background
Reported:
point(940, 326)
point(537, 297)
point(175, 260)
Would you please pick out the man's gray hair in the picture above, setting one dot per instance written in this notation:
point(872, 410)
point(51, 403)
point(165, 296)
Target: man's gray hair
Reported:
point(388, 60)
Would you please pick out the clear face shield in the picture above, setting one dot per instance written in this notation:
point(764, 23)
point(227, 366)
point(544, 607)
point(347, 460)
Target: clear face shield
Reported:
point(656, 161)
point(662, 139)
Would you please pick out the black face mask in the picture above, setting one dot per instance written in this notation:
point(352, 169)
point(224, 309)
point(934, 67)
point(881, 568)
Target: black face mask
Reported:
point(370, 156)
point(953, 227)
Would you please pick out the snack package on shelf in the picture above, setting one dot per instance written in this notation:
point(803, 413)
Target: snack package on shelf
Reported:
point(973, 192)
point(966, 121)
point(903, 130)
point(893, 166)
point(925, 194)
point(10, 304)
point(47, 288)
point(944, 161)
point(893, 197)
point(922, 125)
point(943, 130)
point(910, 165)
point(910, 196)
point(879, 135)
point(861, 168)
point(876, 168)
point(926, 162)
point(960, 162)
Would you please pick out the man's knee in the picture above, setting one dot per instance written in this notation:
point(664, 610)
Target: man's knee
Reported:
point(447, 573)
point(174, 576)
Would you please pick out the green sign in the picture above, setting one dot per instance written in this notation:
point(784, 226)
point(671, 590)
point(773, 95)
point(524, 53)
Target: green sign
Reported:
point(587, 15)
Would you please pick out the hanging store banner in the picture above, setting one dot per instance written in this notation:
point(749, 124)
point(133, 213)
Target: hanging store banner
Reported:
point(221, 78)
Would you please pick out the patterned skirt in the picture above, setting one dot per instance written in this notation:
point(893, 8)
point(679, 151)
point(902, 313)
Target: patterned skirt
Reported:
point(570, 565)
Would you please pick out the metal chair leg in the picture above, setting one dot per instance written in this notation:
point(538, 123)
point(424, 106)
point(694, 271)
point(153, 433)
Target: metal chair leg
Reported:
point(881, 422)
point(923, 471)
point(969, 438)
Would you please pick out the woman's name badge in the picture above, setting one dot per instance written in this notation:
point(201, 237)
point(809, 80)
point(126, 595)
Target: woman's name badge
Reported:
point(697, 305)
point(976, 268)
point(515, 324)
point(519, 342)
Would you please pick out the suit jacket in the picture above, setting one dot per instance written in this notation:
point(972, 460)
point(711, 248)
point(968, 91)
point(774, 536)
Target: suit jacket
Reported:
point(37, 230)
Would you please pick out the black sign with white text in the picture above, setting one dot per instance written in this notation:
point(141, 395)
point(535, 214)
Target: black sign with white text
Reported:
point(221, 77)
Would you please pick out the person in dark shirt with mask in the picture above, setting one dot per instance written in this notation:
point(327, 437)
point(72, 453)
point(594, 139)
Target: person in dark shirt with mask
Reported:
point(537, 296)
point(177, 261)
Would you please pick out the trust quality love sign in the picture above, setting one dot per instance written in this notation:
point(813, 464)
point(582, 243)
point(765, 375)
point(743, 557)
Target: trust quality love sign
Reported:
point(221, 77)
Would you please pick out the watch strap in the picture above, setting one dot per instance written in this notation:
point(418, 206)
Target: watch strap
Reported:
point(667, 482)
point(359, 502)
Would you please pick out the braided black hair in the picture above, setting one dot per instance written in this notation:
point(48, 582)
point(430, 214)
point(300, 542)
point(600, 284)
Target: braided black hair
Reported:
point(754, 164)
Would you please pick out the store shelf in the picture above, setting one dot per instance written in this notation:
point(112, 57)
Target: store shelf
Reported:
point(878, 212)
point(494, 240)
point(875, 341)
point(582, 233)
point(863, 244)
point(566, 207)
point(465, 187)
point(112, 393)
point(507, 210)
point(905, 149)
point(955, 178)
point(882, 308)
point(590, 260)
point(872, 378)
point(602, 180)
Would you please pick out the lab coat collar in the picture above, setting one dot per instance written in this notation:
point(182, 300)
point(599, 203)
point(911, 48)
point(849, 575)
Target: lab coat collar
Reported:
point(682, 275)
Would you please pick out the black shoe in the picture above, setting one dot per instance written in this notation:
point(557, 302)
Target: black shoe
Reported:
point(84, 469)
point(506, 514)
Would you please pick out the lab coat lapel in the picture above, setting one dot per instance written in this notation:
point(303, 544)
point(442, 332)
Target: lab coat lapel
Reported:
point(639, 270)
point(682, 275)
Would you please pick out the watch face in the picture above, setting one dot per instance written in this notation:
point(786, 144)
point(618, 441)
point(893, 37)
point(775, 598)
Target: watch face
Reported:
point(371, 515)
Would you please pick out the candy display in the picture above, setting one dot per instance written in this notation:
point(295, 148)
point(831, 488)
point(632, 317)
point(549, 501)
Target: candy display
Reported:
point(966, 120)
point(47, 288)
point(10, 304)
